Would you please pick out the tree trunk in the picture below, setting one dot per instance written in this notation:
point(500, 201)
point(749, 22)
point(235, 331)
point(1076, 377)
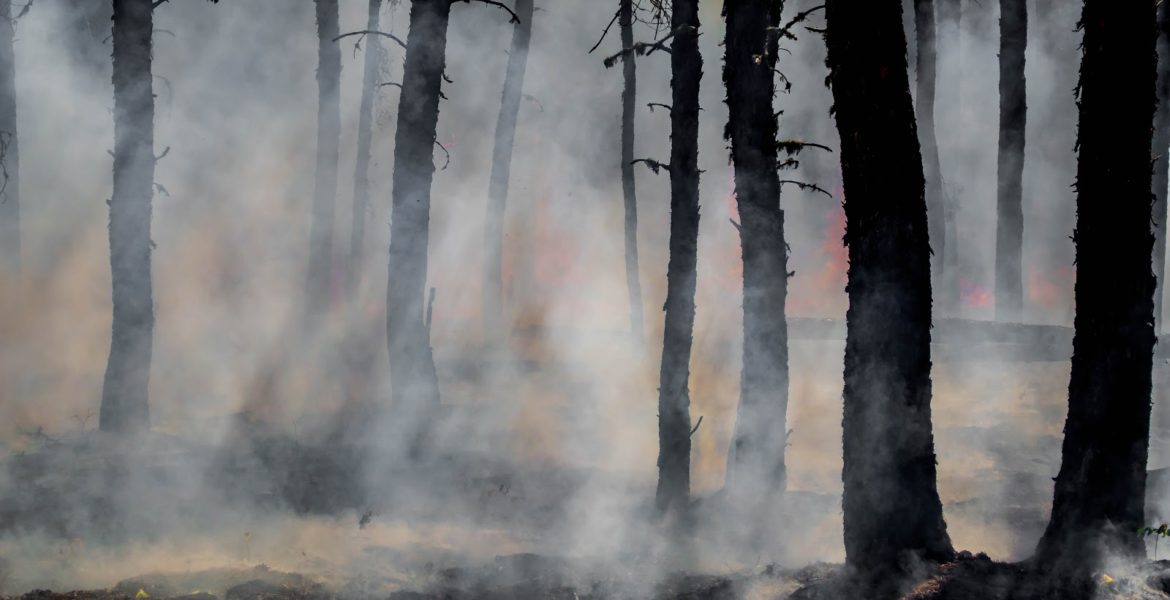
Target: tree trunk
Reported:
point(891, 503)
point(946, 277)
point(9, 151)
point(1161, 151)
point(414, 384)
point(1099, 500)
point(674, 419)
point(756, 462)
point(927, 70)
point(493, 315)
point(1013, 115)
point(361, 172)
point(319, 275)
point(125, 400)
point(629, 190)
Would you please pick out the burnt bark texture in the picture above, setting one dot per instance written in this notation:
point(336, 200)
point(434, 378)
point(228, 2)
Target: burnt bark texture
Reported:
point(674, 417)
point(629, 189)
point(891, 502)
point(926, 34)
point(414, 384)
point(9, 150)
point(1161, 152)
point(1013, 114)
point(361, 172)
point(505, 140)
point(1099, 500)
point(125, 399)
point(756, 461)
point(318, 279)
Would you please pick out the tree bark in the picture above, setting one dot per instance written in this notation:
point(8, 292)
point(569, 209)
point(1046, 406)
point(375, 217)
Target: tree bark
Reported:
point(629, 190)
point(927, 76)
point(891, 503)
point(756, 461)
point(125, 398)
point(414, 384)
point(493, 314)
point(361, 172)
point(1161, 152)
point(674, 419)
point(320, 270)
point(1099, 499)
point(9, 150)
point(1013, 114)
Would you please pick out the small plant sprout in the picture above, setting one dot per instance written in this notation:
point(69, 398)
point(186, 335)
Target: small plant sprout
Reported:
point(1161, 531)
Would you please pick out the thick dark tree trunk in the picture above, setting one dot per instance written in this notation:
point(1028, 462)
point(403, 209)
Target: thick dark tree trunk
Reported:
point(1013, 114)
point(361, 172)
point(674, 417)
point(9, 151)
point(755, 467)
point(927, 70)
point(1161, 158)
point(629, 190)
point(320, 271)
point(414, 383)
point(891, 502)
point(1099, 501)
point(125, 400)
point(493, 314)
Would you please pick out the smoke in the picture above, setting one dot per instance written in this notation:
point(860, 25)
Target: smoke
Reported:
point(548, 450)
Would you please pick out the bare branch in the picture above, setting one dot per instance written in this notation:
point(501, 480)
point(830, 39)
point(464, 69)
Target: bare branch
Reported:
point(531, 98)
point(806, 187)
point(372, 32)
point(737, 226)
point(785, 32)
point(515, 17)
point(24, 10)
point(696, 427)
point(646, 48)
point(792, 147)
point(606, 32)
point(444, 149)
point(653, 164)
point(165, 152)
point(651, 105)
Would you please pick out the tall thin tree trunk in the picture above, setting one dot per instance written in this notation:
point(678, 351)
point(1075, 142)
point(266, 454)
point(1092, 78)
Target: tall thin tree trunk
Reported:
point(493, 314)
point(756, 461)
point(1099, 499)
point(949, 27)
point(361, 171)
point(927, 70)
point(9, 150)
point(629, 190)
point(891, 502)
point(414, 384)
point(1013, 115)
point(674, 418)
point(1161, 158)
point(319, 275)
point(125, 399)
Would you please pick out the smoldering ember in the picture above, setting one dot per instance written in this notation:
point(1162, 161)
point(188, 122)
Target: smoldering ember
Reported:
point(568, 299)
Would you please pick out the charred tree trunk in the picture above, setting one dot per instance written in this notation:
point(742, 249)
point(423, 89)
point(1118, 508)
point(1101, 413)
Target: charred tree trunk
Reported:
point(629, 190)
point(319, 275)
point(493, 314)
point(674, 417)
point(1013, 115)
point(1161, 158)
point(361, 172)
point(891, 503)
point(927, 70)
point(125, 399)
point(756, 462)
point(1099, 500)
point(9, 150)
point(414, 384)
